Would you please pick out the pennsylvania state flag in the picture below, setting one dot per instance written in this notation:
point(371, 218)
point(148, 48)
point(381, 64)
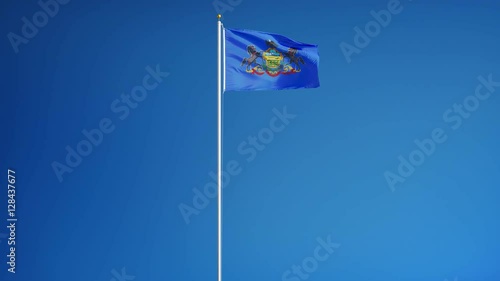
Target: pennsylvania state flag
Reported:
point(265, 61)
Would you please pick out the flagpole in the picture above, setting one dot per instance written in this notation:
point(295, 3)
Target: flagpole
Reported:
point(219, 151)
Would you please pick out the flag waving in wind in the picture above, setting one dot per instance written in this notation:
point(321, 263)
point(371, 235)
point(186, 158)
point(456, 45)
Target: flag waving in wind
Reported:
point(253, 61)
point(265, 61)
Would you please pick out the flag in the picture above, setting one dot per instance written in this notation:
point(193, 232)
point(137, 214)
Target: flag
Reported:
point(265, 61)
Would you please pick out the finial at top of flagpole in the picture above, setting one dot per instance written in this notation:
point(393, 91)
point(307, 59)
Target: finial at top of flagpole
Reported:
point(219, 16)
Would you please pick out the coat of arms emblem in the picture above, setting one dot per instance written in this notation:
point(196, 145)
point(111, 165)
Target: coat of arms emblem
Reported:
point(272, 61)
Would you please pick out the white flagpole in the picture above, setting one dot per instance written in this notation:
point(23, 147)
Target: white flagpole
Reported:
point(219, 150)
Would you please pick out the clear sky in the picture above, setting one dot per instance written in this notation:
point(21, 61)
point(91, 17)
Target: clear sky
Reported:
point(389, 171)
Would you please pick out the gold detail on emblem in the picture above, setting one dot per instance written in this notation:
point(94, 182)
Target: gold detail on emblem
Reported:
point(272, 58)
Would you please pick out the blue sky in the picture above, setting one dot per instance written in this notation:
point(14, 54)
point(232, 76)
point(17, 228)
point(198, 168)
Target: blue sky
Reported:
point(114, 213)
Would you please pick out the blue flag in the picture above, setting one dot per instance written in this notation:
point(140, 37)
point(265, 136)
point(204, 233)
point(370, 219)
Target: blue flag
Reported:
point(264, 61)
